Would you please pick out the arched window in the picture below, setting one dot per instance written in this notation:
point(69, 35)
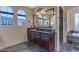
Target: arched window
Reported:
point(21, 18)
point(6, 16)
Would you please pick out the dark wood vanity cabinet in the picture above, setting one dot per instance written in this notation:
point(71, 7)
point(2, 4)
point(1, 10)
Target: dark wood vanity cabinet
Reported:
point(43, 40)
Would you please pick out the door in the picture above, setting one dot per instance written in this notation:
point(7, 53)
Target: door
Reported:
point(61, 24)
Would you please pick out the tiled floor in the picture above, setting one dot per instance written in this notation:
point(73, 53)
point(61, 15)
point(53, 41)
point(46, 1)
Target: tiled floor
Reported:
point(69, 48)
point(23, 47)
point(29, 47)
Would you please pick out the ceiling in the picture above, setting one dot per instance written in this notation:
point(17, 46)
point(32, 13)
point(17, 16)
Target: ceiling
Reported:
point(32, 7)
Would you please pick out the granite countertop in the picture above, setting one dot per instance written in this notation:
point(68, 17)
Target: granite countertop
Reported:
point(46, 31)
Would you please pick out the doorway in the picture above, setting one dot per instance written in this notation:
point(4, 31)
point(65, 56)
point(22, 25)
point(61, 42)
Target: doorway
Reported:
point(61, 24)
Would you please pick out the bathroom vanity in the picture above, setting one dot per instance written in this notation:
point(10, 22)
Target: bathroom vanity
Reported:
point(73, 38)
point(43, 37)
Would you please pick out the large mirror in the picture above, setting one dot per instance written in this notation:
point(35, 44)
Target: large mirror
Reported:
point(44, 17)
point(47, 20)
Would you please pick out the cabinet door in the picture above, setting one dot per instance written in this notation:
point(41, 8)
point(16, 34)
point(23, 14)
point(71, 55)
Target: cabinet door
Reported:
point(37, 38)
point(32, 36)
point(29, 34)
point(52, 42)
point(45, 41)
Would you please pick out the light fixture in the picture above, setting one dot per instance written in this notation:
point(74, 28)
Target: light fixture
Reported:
point(37, 13)
point(43, 12)
point(40, 12)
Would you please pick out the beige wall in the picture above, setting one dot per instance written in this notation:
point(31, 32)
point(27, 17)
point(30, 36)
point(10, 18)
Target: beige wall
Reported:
point(10, 36)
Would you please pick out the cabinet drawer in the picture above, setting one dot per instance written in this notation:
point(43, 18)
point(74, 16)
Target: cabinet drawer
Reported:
point(45, 37)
